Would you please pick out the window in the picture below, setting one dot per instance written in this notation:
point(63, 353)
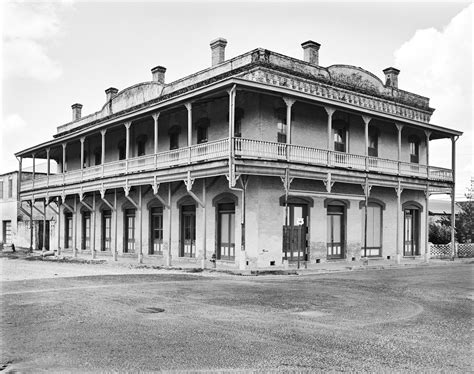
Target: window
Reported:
point(174, 137)
point(156, 231)
point(226, 232)
point(86, 230)
point(141, 145)
point(121, 150)
point(188, 231)
point(373, 142)
point(201, 127)
point(414, 144)
point(10, 188)
point(340, 135)
point(106, 230)
point(239, 114)
point(68, 230)
point(129, 231)
point(374, 231)
point(281, 124)
point(97, 156)
point(1, 189)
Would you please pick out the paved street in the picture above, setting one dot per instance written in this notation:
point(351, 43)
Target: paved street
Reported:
point(408, 320)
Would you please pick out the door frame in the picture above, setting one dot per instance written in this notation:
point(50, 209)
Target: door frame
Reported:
point(417, 208)
point(151, 236)
point(182, 213)
point(345, 205)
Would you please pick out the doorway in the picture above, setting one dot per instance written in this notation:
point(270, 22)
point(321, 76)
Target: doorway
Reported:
point(43, 232)
point(226, 232)
point(411, 232)
point(188, 231)
point(295, 228)
point(335, 231)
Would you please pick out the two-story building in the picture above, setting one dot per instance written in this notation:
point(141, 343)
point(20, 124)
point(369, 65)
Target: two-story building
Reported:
point(261, 160)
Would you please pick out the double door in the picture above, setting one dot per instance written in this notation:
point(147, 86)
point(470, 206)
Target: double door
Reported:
point(335, 232)
point(295, 228)
point(411, 232)
point(188, 231)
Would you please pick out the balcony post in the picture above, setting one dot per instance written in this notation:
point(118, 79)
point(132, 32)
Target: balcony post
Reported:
point(232, 94)
point(75, 227)
point(59, 227)
point(289, 104)
point(399, 128)
point(102, 155)
point(82, 139)
point(94, 219)
point(127, 143)
point(48, 169)
point(366, 120)
point(20, 165)
point(453, 197)
point(43, 244)
point(427, 223)
point(428, 134)
point(32, 201)
point(140, 225)
point(155, 119)
point(330, 111)
point(34, 169)
point(400, 243)
point(189, 107)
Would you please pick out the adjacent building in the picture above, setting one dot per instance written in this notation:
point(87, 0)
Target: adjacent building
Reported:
point(260, 160)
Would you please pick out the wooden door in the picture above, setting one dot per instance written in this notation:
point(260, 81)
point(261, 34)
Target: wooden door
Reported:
point(295, 228)
point(188, 231)
point(335, 232)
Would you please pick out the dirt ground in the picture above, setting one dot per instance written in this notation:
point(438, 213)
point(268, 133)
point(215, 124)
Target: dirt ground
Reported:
point(62, 317)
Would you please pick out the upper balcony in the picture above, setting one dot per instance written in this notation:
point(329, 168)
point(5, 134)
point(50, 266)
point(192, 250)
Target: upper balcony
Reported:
point(245, 149)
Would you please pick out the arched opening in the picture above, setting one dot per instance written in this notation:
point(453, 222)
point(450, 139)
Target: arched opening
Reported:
point(336, 228)
point(202, 130)
point(129, 214)
point(373, 247)
point(225, 204)
point(156, 229)
point(86, 229)
point(105, 228)
point(187, 210)
point(411, 228)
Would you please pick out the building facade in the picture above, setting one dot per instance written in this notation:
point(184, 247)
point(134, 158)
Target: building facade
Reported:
point(260, 160)
point(27, 226)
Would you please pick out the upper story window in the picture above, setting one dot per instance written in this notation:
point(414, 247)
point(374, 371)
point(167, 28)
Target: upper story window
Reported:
point(373, 142)
point(173, 133)
point(97, 156)
point(281, 124)
point(121, 150)
point(141, 145)
point(340, 135)
point(1, 189)
point(201, 126)
point(239, 114)
point(414, 144)
point(10, 188)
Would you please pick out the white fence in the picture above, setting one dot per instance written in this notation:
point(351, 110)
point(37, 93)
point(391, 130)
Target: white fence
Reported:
point(444, 250)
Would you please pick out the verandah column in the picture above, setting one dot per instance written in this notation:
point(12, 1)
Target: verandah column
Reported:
point(59, 227)
point(428, 134)
point(399, 190)
point(34, 169)
point(399, 128)
point(102, 155)
point(453, 196)
point(330, 111)
point(127, 142)
point(366, 120)
point(48, 167)
point(427, 223)
point(155, 127)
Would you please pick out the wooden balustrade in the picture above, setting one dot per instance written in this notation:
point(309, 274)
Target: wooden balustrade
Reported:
point(244, 148)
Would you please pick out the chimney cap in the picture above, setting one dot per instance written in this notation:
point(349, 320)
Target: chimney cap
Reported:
point(76, 105)
point(158, 69)
point(219, 42)
point(111, 90)
point(310, 44)
point(391, 70)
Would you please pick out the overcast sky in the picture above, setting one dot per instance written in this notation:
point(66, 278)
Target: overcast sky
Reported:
point(55, 54)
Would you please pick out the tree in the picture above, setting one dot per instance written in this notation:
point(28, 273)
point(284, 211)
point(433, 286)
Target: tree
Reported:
point(464, 220)
point(439, 233)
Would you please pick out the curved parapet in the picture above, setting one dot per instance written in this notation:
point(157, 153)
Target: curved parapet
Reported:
point(132, 96)
point(356, 77)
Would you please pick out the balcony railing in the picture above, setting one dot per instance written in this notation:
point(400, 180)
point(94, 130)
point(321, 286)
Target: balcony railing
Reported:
point(244, 148)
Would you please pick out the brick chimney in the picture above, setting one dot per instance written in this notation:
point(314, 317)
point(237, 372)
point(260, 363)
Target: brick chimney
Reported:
point(158, 74)
point(110, 93)
point(218, 50)
point(391, 77)
point(311, 52)
point(76, 111)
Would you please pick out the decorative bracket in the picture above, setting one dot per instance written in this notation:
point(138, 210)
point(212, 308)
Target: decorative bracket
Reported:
point(156, 186)
point(287, 180)
point(126, 188)
point(328, 183)
point(367, 188)
point(189, 181)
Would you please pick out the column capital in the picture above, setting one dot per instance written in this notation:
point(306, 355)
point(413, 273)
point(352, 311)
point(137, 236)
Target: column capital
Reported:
point(156, 116)
point(127, 124)
point(366, 119)
point(329, 110)
point(399, 126)
point(64, 145)
point(102, 132)
point(189, 106)
point(289, 101)
point(428, 134)
point(82, 139)
point(47, 150)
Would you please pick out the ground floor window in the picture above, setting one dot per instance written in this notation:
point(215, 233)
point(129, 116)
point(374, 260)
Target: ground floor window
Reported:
point(129, 231)
point(374, 231)
point(411, 232)
point(68, 230)
point(86, 230)
point(226, 232)
point(335, 231)
point(156, 231)
point(106, 230)
point(7, 232)
point(188, 231)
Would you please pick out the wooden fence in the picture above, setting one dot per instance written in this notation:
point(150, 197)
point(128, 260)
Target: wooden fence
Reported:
point(444, 250)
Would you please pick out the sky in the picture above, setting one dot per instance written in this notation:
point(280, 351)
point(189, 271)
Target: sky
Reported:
point(56, 53)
